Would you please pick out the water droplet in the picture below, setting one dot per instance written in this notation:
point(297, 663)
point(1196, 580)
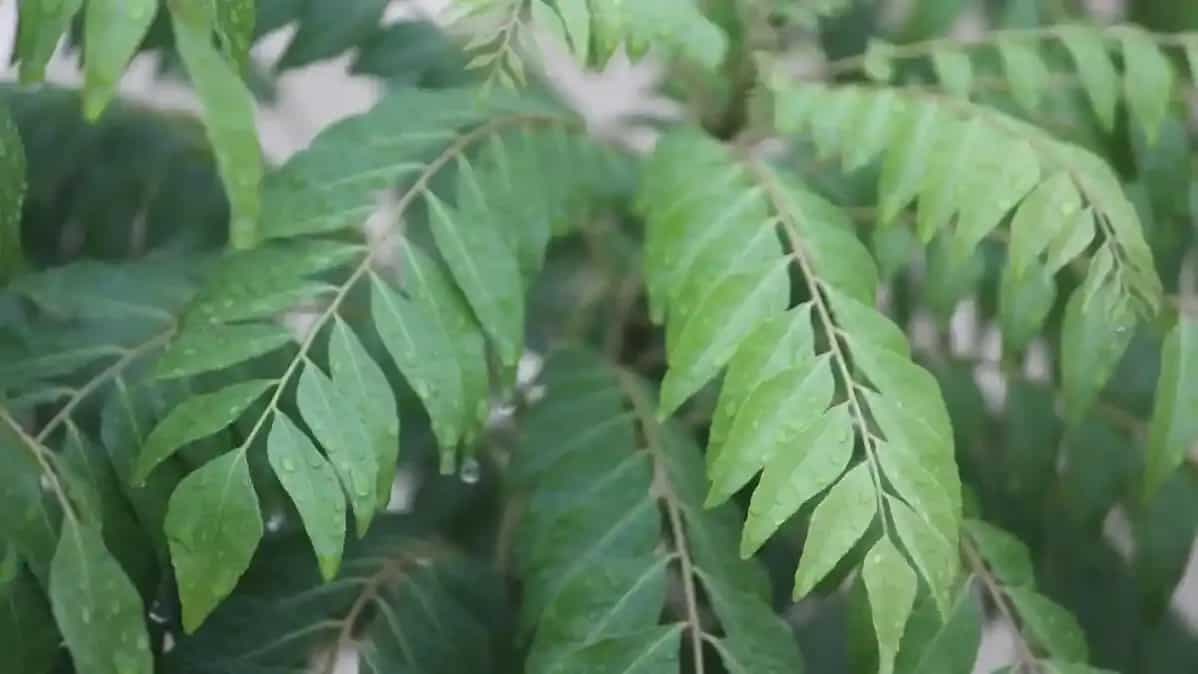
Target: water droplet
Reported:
point(116, 608)
point(288, 465)
point(470, 471)
point(362, 490)
point(87, 616)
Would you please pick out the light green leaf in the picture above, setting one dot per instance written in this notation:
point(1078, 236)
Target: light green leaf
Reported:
point(41, 25)
point(364, 385)
point(1093, 338)
point(1047, 213)
point(1147, 81)
point(113, 31)
point(1089, 52)
point(711, 335)
point(195, 418)
point(1006, 555)
point(215, 347)
point(783, 341)
point(426, 283)
point(772, 415)
point(1023, 304)
point(312, 484)
point(891, 585)
point(948, 647)
point(1053, 628)
point(934, 556)
point(229, 119)
point(235, 26)
point(1191, 49)
point(577, 18)
point(98, 610)
point(1025, 70)
point(837, 524)
point(213, 525)
point(1071, 242)
point(810, 460)
point(12, 196)
point(907, 159)
point(483, 265)
point(1174, 428)
point(546, 20)
point(424, 354)
point(954, 71)
point(877, 63)
point(338, 427)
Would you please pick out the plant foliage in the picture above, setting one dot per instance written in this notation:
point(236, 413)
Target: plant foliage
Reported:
point(887, 344)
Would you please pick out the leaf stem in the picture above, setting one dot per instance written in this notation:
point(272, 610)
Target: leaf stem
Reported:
point(815, 288)
point(1027, 658)
point(39, 453)
point(117, 367)
point(644, 409)
point(418, 187)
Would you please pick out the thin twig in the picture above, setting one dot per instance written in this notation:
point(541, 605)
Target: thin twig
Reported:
point(39, 452)
point(661, 481)
point(1027, 657)
point(100, 379)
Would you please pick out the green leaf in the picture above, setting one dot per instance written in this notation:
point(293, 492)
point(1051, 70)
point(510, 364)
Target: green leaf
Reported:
point(1047, 213)
point(755, 641)
point(427, 284)
point(1089, 52)
point(651, 651)
point(711, 335)
point(29, 640)
point(945, 647)
point(113, 31)
point(1025, 70)
point(1062, 667)
point(837, 524)
point(891, 585)
point(482, 264)
point(933, 555)
point(1094, 336)
point(576, 16)
point(196, 418)
point(364, 385)
point(1053, 628)
point(877, 63)
point(786, 340)
point(1024, 302)
point(41, 25)
point(811, 459)
point(954, 71)
point(235, 26)
point(267, 280)
point(907, 158)
point(312, 484)
point(12, 196)
point(31, 528)
point(215, 347)
point(1147, 81)
point(338, 427)
point(765, 427)
point(1173, 431)
point(1006, 555)
point(424, 354)
point(229, 119)
point(679, 27)
point(96, 606)
point(213, 526)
